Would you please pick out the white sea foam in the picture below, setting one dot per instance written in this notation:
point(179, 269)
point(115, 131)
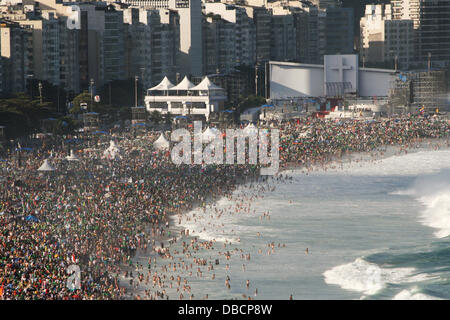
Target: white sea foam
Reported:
point(413, 163)
point(208, 226)
point(413, 294)
point(433, 191)
point(366, 277)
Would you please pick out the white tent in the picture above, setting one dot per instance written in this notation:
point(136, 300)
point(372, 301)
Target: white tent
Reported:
point(112, 151)
point(185, 84)
point(164, 85)
point(161, 143)
point(46, 166)
point(206, 85)
point(72, 157)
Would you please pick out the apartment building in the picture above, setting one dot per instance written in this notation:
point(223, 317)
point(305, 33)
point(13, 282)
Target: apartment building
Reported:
point(230, 39)
point(284, 34)
point(152, 44)
point(191, 27)
point(17, 55)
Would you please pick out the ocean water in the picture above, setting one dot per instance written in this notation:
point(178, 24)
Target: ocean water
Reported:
point(373, 229)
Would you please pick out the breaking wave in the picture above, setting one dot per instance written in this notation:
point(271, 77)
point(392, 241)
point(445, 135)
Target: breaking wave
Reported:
point(365, 277)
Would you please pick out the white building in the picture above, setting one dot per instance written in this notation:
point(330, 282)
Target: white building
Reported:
point(186, 98)
point(340, 74)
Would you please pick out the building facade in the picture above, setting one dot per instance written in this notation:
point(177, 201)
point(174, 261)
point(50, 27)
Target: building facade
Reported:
point(152, 44)
point(17, 55)
point(385, 40)
point(229, 38)
point(186, 99)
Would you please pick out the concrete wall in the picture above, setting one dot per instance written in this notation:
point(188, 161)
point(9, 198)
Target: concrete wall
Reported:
point(295, 80)
point(375, 82)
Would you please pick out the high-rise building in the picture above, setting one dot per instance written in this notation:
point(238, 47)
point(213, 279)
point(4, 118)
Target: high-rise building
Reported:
point(324, 4)
point(262, 19)
point(284, 34)
point(339, 31)
point(46, 47)
point(55, 46)
point(152, 44)
point(101, 44)
point(407, 9)
point(307, 36)
point(191, 38)
point(434, 32)
point(16, 51)
point(229, 38)
point(431, 21)
point(385, 42)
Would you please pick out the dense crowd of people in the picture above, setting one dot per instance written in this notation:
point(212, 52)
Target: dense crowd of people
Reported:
point(96, 212)
point(314, 141)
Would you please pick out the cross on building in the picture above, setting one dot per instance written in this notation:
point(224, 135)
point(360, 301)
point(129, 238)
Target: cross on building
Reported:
point(340, 67)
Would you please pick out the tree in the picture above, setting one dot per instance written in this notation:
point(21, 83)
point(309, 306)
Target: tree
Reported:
point(168, 118)
point(84, 97)
point(250, 102)
point(65, 125)
point(156, 117)
point(21, 115)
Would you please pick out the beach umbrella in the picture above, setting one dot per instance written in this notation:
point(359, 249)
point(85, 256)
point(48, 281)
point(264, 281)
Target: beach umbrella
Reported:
point(31, 218)
point(46, 166)
point(24, 149)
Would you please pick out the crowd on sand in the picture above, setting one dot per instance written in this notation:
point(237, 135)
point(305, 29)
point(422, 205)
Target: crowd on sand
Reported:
point(97, 211)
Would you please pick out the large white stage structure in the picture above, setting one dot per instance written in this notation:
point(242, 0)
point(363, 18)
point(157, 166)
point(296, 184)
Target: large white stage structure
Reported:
point(340, 74)
point(186, 98)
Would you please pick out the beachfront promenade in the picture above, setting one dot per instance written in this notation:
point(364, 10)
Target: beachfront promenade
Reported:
point(96, 212)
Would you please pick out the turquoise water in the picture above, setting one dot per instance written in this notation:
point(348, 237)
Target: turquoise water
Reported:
point(374, 230)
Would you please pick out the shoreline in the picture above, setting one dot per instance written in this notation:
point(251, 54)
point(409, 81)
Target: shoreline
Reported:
point(378, 154)
point(105, 215)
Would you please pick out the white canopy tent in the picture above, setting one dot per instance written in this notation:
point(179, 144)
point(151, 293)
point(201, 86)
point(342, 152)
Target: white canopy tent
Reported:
point(206, 84)
point(164, 85)
point(46, 166)
point(161, 143)
point(184, 85)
